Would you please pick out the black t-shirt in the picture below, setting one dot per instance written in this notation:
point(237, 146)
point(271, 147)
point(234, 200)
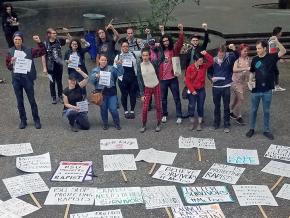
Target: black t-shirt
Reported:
point(107, 48)
point(264, 69)
point(73, 95)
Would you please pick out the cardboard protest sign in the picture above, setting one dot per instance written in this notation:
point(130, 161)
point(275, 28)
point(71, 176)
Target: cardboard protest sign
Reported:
point(277, 168)
point(33, 164)
point(74, 61)
point(284, 192)
point(71, 171)
point(70, 195)
point(25, 184)
point(6, 213)
point(105, 78)
point(206, 195)
point(161, 196)
point(242, 156)
point(18, 207)
point(83, 106)
point(154, 156)
point(118, 196)
point(254, 195)
point(90, 173)
point(118, 144)
point(15, 149)
point(205, 143)
point(119, 162)
point(99, 214)
point(224, 173)
point(201, 211)
point(278, 152)
point(174, 174)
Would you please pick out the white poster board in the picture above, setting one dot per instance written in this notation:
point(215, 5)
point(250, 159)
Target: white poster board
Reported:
point(161, 196)
point(174, 174)
point(201, 211)
point(277, 168)
point(278, 152)
point(118, 162)
point(74, 61)
point(83, 106)
point(99, 214)
point(284, 192)
point(152, 155)
point(224, 173)
point(15, 149)
point(206, 194)
point(118, 196)
point(105, 78)
point(248, 195)
point(25, 184)
point(7, 214)
point(242, 156)
point(71, 171)
point(33, 164)
point(204, 143)
point(18, 207)
point(118, 144)
point(22, 65)
point(70, 195)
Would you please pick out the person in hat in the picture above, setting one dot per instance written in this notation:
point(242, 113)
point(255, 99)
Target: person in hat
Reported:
point(23, 79)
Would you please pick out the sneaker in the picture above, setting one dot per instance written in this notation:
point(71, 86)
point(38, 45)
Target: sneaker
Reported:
point(131, 115)
point(37, 124)
point(199, 128)
point(142, 129)
point(158, 128)
point(250, 133)
point(118, 127)
point(60, 99)
point(279, 89)
point(240, 121)
point(74, 128)
point(105, 127)
point(179, 120)
point(53, 100)
point(127, 115)
point(268, 135)
point(233, 116)
point(164, 119)
point(22, 124)
point(227, 130)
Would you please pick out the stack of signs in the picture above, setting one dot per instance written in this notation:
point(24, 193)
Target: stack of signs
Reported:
point(33, 164)
point(277, 168)
point(174, 174)
point(26, 184)
point(206, 195)
point(224, 173)
point(118, 144)
point(99, 214)
point(119, 162)
point(161, 196)
point(72, 171)
point(205, 143)
point(16, 207)
point(278, 152)
point(201, 211)
point(70, 195)
point(242, 156)
point(154, 156)
point(254, 195)
point(15, 149)
point(284, 192)
point(118, 196)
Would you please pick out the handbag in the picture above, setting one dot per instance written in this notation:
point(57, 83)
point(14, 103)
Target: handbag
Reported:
point(96, 97)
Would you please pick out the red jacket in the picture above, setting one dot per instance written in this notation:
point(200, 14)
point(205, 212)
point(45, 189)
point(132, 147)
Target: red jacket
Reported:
point(195, 78)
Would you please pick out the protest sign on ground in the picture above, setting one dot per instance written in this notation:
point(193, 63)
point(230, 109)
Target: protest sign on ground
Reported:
point(278, 152)
point(201, 211)
point(99, 214)
point(15, 149)
point(118, 144)
point(204, 143)
point(277, 168)
point(18, 207)
point(118, 162)
point(284, 192)
point(152, 155)
point(33, 164)
point(242, 156)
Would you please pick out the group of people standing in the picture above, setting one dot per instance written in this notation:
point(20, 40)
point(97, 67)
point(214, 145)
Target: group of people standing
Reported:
point(145, 67)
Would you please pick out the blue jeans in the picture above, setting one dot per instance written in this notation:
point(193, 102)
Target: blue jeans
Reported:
point(196, 100)
point(174, 88)
point(80, 118)
point(255, 101)
point(110, 103)
point(24, 83)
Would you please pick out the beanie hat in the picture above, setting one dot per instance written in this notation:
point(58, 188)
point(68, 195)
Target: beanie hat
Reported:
point(18, 33)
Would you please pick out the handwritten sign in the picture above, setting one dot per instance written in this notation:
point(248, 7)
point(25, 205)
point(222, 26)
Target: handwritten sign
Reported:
point(70, 195)
point(118, 144)
point(174, 174)
point(15, 149)
point(33, 164)
point(254, 195)
point(201, 211)
point(22, 65)
point(204, 143)
point(6, 213)
point(118, 196)
point(224, 173)
point(279, 152)
point(99, 214)
point(83, 106)
point(154, 156)
point(242, 156)
point(284, 192)
point(206, 194)
point(105, 78)
point(161, 196)
point(18, 207)
point(74, 61)
point(71, 171)
point(277, 168)
point(25, 184)
point(127, 60)
point(117, 162)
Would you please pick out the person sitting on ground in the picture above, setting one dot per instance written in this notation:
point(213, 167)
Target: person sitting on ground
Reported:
point(71, 96)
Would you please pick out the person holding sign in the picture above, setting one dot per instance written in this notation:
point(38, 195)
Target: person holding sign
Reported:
point(25, 79)
point(195, 83)
point(104, 79)
point(73, 102)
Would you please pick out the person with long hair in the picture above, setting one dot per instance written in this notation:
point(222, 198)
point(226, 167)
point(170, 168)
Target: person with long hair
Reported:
point(10, 23)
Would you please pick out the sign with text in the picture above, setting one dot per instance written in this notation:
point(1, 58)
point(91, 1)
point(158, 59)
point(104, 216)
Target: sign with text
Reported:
point(118, 144)
point(33, 164)
point(284, 192)
point(278, 152)
point(99, 214)
point(204, 143)
point(117, 162)
point(105, 78)
point(18, 207)
point(74, 61)
point(154, 156)
point(201, 211)
point(242, 156)
point(277, 168)
point(15, 149)
point(83, 106)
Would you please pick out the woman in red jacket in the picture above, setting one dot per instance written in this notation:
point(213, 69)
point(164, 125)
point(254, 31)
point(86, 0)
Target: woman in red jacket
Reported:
point(195, 82)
